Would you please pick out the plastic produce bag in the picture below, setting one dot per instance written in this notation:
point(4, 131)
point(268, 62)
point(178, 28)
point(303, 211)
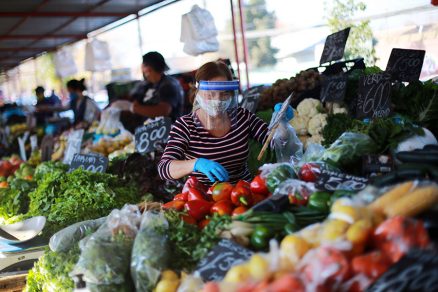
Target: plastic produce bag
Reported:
point(150, 254)
point(296, 190)
point(66, 238)
point(348, 148)
point(276, 173)
point(106, 255)
point(287, 145)
point(313, 153)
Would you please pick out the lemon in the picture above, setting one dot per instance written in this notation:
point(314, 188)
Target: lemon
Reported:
point(294, 246)
point(169, 275)
point(312, 234)
point(258, 267)
point(359, 232)
point(167, 286)
point(334, 229)
point(237, 274)
point(343, 211)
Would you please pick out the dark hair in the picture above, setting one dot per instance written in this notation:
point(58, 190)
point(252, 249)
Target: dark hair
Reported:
point(209, 71)
point(39, 90)
point(156, 61)
point(77, 84)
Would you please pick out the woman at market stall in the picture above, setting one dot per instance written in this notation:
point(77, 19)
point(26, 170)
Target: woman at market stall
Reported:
point(211, 143)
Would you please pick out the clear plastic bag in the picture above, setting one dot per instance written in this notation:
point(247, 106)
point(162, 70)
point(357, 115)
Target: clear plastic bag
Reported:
point(287, 145)
point(276, 173)
point(106, 254)
point(313, 153)
point(295, 187)
point(150, 253)
point(66, 238)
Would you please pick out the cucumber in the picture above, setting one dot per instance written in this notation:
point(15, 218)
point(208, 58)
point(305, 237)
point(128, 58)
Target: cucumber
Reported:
point(384, 180)
point(408, 174)
point(431, 147)
point(419, 166)
point(418, 157)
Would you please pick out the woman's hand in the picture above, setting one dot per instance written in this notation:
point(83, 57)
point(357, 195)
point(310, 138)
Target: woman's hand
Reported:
point(213, 170)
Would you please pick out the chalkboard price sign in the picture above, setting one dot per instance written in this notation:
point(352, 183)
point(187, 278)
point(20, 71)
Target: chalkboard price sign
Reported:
point(334, 46)
point(373, 100)
point(147, 136)
point(332, 181)
point(220, 259)
point(90, 162)
point(251, 98)
point(416, 271)
point(405, 65)
point(334, 88)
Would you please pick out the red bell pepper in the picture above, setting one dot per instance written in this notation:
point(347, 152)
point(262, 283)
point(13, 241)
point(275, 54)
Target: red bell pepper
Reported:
point(181, 197)
point(241, 196)
point(195, 194)
point(258, 185)
point(222, 191)
point(198, 209)
point(188, 219)
point(193, 182)
point(239, 210)
point(256, 198)
point(203, 223)
point(177, 205)
point(243, 183)
point(224, 207)
point(309, 172)
point(298, 199)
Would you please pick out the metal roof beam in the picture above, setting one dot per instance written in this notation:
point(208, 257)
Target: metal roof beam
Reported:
point(14, 49)
point(39, 37)
point(63, 14)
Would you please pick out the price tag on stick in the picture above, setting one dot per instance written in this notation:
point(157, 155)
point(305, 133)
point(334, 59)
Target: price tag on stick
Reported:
point(333, 88)
point(90, 162)
point(374, 96)
point(147, 136)
point(334, 46)
point(220, 259)
point(405, 65)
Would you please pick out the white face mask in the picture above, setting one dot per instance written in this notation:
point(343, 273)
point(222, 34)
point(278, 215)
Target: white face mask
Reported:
point(213, 107)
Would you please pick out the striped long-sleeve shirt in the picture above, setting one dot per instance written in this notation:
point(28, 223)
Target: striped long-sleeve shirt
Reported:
point(189, 140)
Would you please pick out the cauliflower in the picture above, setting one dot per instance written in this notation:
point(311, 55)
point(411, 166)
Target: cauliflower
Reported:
point(340, 110)
point(314, 139)
point(299, 123)
point(309, 107)
point(317, 123)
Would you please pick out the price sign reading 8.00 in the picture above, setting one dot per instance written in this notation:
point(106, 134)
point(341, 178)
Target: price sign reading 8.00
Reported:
point(147, 136)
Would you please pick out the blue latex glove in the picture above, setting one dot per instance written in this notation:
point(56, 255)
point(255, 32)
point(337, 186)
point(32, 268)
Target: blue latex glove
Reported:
point(211, 169)
point(289, 112)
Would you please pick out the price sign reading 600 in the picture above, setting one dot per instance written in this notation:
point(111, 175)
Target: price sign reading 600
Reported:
point(148, 135)
point(374, 92)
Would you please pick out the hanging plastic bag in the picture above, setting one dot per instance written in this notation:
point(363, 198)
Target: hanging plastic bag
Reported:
point(287, 145)
point(65, 63)
point(150, 254)
point(97, 56)
point(106, 255)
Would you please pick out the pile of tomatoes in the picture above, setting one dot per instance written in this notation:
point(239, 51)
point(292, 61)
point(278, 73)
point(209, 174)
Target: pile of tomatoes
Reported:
point(222, 198)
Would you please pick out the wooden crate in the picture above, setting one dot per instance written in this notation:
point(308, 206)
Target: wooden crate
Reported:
point(13, 282)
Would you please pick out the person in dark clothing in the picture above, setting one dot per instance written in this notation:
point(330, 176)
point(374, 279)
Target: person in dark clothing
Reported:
point(42, 115)
point(158, 95)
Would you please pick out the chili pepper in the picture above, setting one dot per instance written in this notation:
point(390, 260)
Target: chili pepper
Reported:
point(258, 185)
point(193, 182)
point(239, 210)
point(198, 209)
point(224, 207)
point(320, 201)
point(222, 191)
point(309, 172)
point(181, 197)
point(279, 175)
point(188, 219)
point(203, 223)
point(177, 205)
point(241, 196)
point(195, 194)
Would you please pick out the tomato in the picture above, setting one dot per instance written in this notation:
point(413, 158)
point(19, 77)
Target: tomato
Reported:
point(241, 196)
point(224, 207)
point(177, 205)
point(372, 265)
point(221, 191)
point(195, 194)
point(258, 185)
point(297, 199)
point(239, 210)
point(309, 172)
point(181, 197)
point(188, 219)
point(203, 223)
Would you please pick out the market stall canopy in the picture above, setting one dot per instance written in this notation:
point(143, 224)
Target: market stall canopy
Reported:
point(30, 27)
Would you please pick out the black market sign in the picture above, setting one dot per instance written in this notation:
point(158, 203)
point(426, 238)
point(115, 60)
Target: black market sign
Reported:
point(332, 181)
point(405, 65)
point(89, 162)
point(333, 88)
point(334, 46)
point(220, 259)
point(374, 96)
point(416, 271)
point(148, 136)
point(251, 98)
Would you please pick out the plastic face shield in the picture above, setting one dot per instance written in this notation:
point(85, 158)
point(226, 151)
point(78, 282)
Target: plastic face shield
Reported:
point(217, 97)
